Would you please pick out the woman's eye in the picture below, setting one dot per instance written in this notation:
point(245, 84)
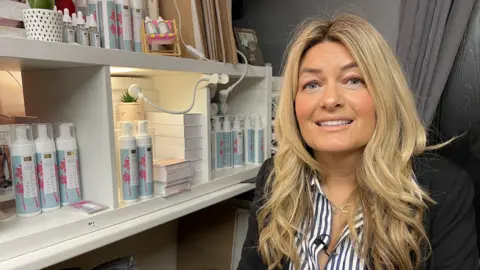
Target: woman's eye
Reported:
point(311, 85)
point(355, 81)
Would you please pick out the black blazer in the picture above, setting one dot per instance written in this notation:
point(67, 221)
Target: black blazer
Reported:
point(450, 224)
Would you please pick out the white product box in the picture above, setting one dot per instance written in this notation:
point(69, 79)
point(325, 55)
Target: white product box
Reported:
point(182, 143)
point(189, 119)
point(161, 175)
point(196, 165)
point(162, 152)
point(176, 131)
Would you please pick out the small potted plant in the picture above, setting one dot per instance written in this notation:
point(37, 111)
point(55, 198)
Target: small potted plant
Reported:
point(129, 109)
point(42, 22)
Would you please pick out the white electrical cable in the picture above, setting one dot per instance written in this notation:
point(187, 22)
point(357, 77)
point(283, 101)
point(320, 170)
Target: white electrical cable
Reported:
point(189, 48)
point(15, 78)
point(226, 92)
point(162, 109)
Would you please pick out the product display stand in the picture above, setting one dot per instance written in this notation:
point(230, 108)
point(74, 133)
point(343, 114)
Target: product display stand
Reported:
point(171, 44)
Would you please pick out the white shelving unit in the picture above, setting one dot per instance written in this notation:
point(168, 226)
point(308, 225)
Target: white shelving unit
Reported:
point(73, 83)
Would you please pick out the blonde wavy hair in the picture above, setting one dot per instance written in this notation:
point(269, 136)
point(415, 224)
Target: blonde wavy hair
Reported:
point(392, 204)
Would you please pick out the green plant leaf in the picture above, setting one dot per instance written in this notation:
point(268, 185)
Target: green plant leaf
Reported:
point(127, 98)
point(43, 4)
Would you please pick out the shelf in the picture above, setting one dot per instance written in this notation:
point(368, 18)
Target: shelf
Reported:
point(32, 238)
point(7, 196)
point(70, 248)
point(26, 55)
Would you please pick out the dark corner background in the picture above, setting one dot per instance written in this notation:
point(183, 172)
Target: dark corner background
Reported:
point(274, 20)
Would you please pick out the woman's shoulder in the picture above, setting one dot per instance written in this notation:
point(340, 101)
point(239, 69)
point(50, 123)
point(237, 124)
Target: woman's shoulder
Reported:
point(439, 176)
point(264, 172)
point(450, 220)
point(262, 176)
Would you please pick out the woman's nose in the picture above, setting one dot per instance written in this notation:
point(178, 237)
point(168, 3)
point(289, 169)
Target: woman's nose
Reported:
point(331, 97)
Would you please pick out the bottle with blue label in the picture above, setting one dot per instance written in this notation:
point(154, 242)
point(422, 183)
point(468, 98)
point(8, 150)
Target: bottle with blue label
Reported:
point(217, 145)
point(227, 144)
point(137, 11)
point(68, 163)
point(46, 166)
point(128, 163)
point(145, 155)
point(22, 150)
point(237, 136)
point(259, 141)
point(249, 141)
point(124, 25)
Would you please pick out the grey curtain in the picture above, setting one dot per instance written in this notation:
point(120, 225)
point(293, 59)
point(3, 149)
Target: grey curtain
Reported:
point(430, 34)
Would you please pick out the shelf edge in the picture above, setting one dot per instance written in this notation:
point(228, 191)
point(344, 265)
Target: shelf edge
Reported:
point(62, 251)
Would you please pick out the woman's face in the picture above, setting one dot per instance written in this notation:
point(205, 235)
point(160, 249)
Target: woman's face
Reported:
point(334, 109)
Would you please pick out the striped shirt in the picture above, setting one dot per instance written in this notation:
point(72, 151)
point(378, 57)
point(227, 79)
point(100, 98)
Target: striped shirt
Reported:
point(311, 243)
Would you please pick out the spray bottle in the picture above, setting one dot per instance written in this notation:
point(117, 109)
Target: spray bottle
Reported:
point(93, 34)
point(237, 135)
point(227, 140)
point(68, 31)
point(259, 141)
point(217, 145)
point(137, 11)
point(129, 163)
point(144, 149)
point(68, 168)
point(249, 141)
point(25, 183)
point(46, 166)
point(82, 32)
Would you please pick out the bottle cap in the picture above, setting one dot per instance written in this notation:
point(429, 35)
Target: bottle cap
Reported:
point(80, 19)
point(91, 21)
point(65, 131)
point(247, 123)
point(74, 19)
point(126, 129)
point(217, 125)
point(66, 16)
point(42, 132)
point(236, 123)
point(21, 133)
point(258, 122)
point(143, 128)
point(226, 123)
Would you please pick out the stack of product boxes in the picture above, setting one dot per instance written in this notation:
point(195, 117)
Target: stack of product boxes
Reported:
point(172, 176)
point(178, 137)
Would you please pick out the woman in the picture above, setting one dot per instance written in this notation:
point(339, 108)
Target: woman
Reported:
point(344, 190)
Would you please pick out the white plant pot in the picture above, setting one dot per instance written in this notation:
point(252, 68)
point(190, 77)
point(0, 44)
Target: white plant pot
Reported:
point(43, 24)
point(130, 112)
